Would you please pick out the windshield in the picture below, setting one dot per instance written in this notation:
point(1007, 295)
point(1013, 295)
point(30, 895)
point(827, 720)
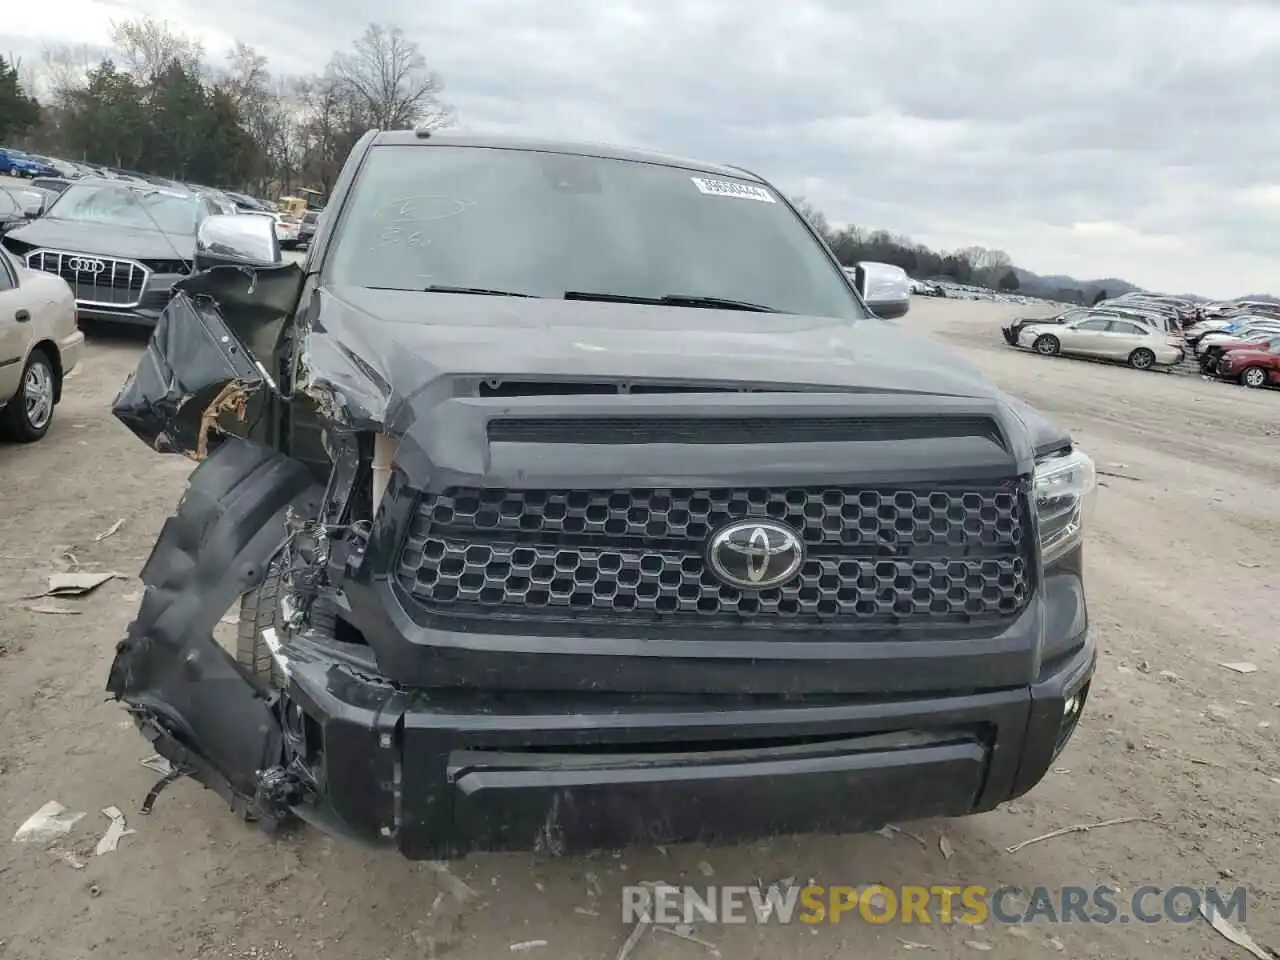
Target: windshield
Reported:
point(122, 206)
point(546, 224)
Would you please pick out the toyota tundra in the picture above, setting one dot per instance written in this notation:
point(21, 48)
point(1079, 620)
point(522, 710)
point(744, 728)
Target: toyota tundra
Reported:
point(575, 497)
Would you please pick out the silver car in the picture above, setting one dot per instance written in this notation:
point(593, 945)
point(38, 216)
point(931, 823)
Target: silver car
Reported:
point(1107, 338)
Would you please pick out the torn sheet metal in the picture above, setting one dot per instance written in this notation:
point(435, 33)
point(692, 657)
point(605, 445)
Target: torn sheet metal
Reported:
point(254, 302)
point(194, 384)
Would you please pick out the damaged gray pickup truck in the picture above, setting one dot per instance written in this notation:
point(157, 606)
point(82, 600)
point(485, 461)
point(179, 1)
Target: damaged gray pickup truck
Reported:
point(573, 497)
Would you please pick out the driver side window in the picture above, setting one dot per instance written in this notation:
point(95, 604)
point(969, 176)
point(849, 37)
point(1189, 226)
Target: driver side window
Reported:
point(1095, 325)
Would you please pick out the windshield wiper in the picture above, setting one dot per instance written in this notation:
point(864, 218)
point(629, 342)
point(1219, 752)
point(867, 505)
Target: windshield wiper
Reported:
point(445, 288)
point(475, 291)
point(672, 300)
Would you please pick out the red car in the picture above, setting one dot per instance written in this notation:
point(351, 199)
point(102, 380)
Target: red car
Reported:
point(1257, 365)
point(1214, 352)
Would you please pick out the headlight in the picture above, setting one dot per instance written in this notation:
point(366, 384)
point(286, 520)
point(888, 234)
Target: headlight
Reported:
point(1065, 488)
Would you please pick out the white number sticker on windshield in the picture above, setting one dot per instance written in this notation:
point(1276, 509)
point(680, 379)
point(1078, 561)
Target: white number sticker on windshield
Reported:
point(732, 188)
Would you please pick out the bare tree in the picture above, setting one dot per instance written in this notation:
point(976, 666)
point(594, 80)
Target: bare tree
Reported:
point(388, 77)
point(64, 68)
point(145, 47)
point(817, 219)
point(246, 77)
point(333, 118)
point(989, 266)
point(25, 70)
point(264, 115)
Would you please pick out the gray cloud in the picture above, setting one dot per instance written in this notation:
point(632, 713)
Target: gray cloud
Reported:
point(1098, 137)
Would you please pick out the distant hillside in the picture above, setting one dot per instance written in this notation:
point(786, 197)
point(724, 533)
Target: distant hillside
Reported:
point(1069, 289)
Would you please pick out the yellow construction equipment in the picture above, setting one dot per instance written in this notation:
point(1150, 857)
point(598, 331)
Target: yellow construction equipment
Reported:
point(293, 206)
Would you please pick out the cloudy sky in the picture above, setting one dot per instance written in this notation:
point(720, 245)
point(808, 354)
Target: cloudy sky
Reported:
point(1091, 137)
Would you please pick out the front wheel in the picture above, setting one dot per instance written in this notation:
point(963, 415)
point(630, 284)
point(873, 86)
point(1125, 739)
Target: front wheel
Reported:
point(30, 411)
point(260, 610)
point(1142, 359)
point(1046, 345)
point(1253, 377)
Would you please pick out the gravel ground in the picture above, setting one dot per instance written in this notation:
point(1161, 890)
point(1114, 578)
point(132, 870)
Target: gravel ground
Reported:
point(1183, 562)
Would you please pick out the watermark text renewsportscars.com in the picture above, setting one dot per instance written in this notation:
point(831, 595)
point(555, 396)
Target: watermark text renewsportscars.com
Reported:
point(933, 904)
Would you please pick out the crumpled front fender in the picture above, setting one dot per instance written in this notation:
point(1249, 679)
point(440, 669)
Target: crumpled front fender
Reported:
point(188, 694)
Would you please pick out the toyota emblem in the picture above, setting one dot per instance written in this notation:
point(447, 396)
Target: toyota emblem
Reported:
point(756, 554)
point(86, 265)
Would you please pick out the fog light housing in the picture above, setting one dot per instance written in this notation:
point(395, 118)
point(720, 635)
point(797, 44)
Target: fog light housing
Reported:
point(1072, 708)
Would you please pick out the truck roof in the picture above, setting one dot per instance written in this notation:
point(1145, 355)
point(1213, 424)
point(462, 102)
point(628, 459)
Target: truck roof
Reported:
point(452, 138)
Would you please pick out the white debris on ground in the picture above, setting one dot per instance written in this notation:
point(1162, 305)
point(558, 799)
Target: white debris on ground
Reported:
point(76, 584)
point(115, 830)
point(48, 823)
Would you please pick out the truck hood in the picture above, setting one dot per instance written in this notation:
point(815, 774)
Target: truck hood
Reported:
point(104, 240)
point(373, 353)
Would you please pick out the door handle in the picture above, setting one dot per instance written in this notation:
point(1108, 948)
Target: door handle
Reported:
point(22, 316)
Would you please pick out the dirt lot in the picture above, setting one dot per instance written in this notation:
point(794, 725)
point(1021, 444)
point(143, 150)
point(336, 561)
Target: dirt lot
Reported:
point(1183, 562)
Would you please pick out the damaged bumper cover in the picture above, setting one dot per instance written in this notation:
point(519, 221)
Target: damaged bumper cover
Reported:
point(439, 776)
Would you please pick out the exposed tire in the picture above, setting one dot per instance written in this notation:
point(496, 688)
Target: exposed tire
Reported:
point(1253, 377)
point(1142, 359)
point(259, 610)
point(29, 413)
point(1047, 345)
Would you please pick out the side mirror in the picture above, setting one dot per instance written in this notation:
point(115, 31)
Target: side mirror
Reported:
point(226, 240)
point(885, 289)
point(34, 213)
point(889, 309)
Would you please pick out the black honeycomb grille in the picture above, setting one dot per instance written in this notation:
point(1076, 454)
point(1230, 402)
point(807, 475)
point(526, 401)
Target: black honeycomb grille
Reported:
point(874, 556)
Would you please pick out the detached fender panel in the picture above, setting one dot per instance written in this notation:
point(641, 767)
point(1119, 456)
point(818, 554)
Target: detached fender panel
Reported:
point(205, 373)
point(169, 668)
point(193, 385)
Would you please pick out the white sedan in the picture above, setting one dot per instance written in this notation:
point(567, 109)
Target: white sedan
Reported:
point(40, 343)
point(1106, 338)
point(287, 231)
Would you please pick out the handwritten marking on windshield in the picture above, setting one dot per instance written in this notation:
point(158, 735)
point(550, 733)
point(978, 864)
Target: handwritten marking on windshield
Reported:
point(420, 209)
point(402, 215)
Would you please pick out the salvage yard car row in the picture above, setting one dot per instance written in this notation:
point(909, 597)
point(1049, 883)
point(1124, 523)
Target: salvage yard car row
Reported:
point(121, 244)
point(91, 248)
point(1236, 341)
